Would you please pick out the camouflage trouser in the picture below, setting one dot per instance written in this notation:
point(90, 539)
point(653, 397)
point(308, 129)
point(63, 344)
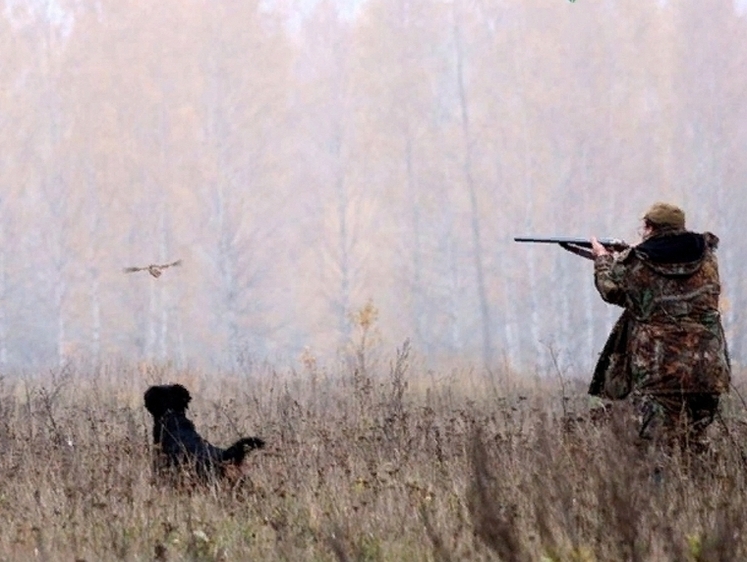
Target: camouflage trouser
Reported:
point(675, 419)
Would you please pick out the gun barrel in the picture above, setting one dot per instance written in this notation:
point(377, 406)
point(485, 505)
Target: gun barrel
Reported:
point(579, 242)
point(582, 242)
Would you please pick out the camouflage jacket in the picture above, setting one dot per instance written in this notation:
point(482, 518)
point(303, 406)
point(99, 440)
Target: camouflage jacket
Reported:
point(669, 338)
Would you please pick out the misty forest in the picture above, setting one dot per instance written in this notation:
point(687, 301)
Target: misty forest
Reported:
point(311, 162)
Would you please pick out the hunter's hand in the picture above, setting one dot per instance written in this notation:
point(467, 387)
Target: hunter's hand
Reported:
point(597, 249)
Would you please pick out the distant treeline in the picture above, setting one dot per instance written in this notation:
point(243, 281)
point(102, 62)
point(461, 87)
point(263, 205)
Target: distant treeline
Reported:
point(304, 164)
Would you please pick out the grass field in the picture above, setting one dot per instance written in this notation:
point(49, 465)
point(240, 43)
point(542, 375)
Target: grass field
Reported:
point(389, 463)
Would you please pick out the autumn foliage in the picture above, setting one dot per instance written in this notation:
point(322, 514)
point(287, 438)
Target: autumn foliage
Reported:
point(305, 158)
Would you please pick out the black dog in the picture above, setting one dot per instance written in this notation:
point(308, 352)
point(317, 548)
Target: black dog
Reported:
point(181, 446)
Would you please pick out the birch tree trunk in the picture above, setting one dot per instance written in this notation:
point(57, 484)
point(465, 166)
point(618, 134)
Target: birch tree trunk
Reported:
point(416, 252)
point(163, 292)
point(475, 227)
point(3, 300)
point(95, 315)
point(342, 308)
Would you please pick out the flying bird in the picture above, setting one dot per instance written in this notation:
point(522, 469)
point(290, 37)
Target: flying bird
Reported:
point(153, 269)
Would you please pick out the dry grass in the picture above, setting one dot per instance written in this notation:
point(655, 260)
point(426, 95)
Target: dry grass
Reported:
point(361, 466)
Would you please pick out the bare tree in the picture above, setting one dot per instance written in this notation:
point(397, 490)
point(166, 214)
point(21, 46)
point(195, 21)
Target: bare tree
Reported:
point(472, 189)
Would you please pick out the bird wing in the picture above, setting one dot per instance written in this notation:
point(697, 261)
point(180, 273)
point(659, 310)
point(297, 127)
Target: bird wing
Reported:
point(153, 268)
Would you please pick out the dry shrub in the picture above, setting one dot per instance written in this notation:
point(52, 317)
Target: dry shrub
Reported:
point(406, 465)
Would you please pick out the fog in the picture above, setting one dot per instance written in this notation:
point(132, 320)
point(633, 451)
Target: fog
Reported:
point(307, 160)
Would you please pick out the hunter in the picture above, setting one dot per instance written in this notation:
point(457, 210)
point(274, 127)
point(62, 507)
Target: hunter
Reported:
point(668, 350)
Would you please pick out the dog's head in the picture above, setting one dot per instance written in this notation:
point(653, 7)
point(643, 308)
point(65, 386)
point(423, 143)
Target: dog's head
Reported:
point(159, 399)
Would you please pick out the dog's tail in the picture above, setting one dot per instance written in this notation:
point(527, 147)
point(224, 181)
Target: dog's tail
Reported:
point(236, 452)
